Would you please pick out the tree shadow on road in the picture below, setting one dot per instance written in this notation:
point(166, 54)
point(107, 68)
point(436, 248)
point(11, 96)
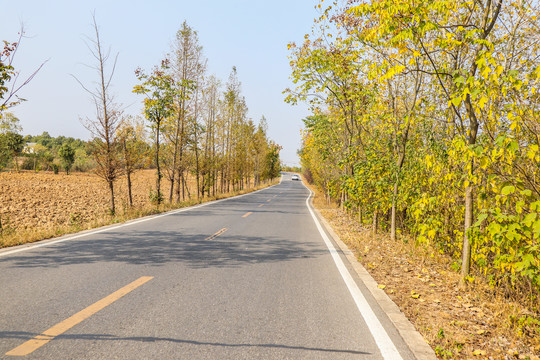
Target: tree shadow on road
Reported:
point(24, 336)
point(157, 248)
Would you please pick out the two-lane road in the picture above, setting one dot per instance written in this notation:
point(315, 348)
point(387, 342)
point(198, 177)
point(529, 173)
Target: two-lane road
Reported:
point(243, 278)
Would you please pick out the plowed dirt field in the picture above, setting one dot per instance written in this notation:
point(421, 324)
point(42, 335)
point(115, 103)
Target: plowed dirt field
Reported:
point(30, 200)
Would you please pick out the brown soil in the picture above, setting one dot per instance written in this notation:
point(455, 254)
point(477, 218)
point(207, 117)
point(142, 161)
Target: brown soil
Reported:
point(458, 324)
point(42, 199)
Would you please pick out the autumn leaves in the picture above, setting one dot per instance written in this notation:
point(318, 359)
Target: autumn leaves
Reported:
point(424, 120)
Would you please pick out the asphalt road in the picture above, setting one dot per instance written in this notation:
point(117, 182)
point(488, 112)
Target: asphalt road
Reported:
point(244, 278)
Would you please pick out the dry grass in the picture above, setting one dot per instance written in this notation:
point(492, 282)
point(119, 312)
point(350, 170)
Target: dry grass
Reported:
point(458, 324)
point(37, 206)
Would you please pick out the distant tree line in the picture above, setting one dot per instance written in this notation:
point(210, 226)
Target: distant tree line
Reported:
point(201, 128)
point(295, 169)
point(41, 152)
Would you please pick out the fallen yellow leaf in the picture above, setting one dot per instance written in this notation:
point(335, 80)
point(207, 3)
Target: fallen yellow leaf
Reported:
point(478, 352)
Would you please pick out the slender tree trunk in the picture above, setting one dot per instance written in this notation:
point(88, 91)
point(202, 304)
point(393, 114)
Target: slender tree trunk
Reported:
point(473, 132)
point(196, 138)
point(177, 140)
point(393, 222)
point(178, 189)
point(183, 185)
point(175, 158)
point(375, 221)
point(197, 175)
point(128, 175)
point(327, 197)
point(469, 196)
point(180, 163)
point(221, 184)
point(107, 130)
point(171, 189)
point(158, 168)
point(393, 215)
point(170, 177)
point(466, 253)
point(128, 168)
point(229, 157)
point(111, 188)
point(206, 161)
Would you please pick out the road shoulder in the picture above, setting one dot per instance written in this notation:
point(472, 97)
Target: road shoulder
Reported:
point(413, 339)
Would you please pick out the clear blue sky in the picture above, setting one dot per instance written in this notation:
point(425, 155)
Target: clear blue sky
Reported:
point(249, 34)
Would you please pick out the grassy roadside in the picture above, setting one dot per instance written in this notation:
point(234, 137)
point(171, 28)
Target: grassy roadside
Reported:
point(12, 237)
point(458, 324)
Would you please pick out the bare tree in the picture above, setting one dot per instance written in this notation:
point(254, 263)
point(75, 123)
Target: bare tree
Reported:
point(9, 76)
point(9, 85)
point(107, 117)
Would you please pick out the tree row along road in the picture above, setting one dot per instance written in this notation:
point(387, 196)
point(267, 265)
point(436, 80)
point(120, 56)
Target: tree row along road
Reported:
point(242, 278)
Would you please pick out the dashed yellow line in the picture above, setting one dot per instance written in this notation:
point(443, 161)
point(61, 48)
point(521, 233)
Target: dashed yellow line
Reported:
point(216, 234)
point(58, 329)
point(261, 205)
point(269, 200)
point(247, 214)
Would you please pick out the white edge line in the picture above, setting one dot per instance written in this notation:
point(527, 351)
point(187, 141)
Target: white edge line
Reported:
point(383, 341)
point(110, 228)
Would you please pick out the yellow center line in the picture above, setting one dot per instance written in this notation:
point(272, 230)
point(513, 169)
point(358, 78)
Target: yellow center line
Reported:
point(247, 214)
point(269, 200)
point(261, 205)
point(58, 329)
point(216, 234)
